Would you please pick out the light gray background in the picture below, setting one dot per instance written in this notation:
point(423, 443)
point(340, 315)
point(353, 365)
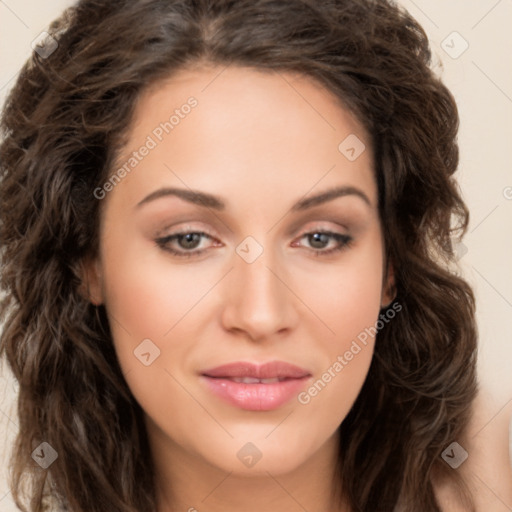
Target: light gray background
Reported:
point(481, 80)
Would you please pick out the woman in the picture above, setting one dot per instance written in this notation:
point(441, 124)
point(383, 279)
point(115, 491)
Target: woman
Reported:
point(226, 232)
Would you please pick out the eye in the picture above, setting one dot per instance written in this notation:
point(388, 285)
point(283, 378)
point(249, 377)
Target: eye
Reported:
point(320, 239)
point(186, 241)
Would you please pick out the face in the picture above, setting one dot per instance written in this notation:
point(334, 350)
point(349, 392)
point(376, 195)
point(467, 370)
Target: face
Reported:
point(266, 268)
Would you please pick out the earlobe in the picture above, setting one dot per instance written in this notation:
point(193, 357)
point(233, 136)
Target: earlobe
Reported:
point(389, 287)
point(91, 286)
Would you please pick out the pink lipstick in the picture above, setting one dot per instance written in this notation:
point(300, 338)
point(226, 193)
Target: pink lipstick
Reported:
point(256, 387)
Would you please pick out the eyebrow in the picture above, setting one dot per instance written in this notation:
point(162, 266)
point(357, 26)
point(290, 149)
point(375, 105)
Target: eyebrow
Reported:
point(215, 202)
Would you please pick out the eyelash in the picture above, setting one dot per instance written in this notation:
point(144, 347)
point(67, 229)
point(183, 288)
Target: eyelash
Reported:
point(344, 242)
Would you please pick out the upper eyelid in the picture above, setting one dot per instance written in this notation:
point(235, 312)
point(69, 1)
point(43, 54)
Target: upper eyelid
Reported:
point(168, 231)
point(164, 232)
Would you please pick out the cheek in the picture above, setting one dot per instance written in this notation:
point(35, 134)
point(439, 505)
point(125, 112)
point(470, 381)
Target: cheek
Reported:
point(149, 298)
point(352, 314)
point(142, 309)
point(346, 297)
point(348, 302)
point(147, 294)
point(332, 393)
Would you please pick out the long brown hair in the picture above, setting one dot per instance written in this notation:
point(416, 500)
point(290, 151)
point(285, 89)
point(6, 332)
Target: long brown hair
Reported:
point(64, 123)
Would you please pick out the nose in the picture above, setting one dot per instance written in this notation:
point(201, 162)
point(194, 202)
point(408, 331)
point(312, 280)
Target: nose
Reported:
point(259, 299)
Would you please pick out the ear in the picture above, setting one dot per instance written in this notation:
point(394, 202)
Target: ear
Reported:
point(91, 287)
point(388, 286)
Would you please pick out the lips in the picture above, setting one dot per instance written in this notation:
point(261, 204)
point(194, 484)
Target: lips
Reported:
point(271, 370)
point(256, 387)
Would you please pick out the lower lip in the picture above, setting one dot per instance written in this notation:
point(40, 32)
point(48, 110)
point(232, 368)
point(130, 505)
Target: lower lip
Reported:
point(255, 397)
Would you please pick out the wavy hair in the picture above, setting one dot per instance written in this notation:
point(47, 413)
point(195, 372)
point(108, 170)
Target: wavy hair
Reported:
point(63, 124)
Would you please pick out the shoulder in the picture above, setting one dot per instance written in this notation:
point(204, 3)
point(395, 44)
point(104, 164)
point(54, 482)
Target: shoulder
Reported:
point(487, 470)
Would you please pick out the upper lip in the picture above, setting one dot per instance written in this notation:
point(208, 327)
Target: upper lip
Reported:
point(280, 369)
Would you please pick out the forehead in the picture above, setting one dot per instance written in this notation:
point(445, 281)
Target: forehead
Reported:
point(247, 128)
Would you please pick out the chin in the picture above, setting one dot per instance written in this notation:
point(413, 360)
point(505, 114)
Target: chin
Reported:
point(260, 454)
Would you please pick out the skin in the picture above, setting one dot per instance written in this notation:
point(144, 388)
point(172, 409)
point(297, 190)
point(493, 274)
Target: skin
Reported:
point(261, 142)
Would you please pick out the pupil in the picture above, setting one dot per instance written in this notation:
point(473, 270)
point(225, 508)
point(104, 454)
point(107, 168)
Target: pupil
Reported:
point(320, 238)
point(191, 240)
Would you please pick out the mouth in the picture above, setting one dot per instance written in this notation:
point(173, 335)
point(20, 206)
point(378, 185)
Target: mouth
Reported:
point(253, 380)
point(256, 387)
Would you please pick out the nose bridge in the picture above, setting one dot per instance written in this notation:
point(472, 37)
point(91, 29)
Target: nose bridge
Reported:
point(260, 302)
